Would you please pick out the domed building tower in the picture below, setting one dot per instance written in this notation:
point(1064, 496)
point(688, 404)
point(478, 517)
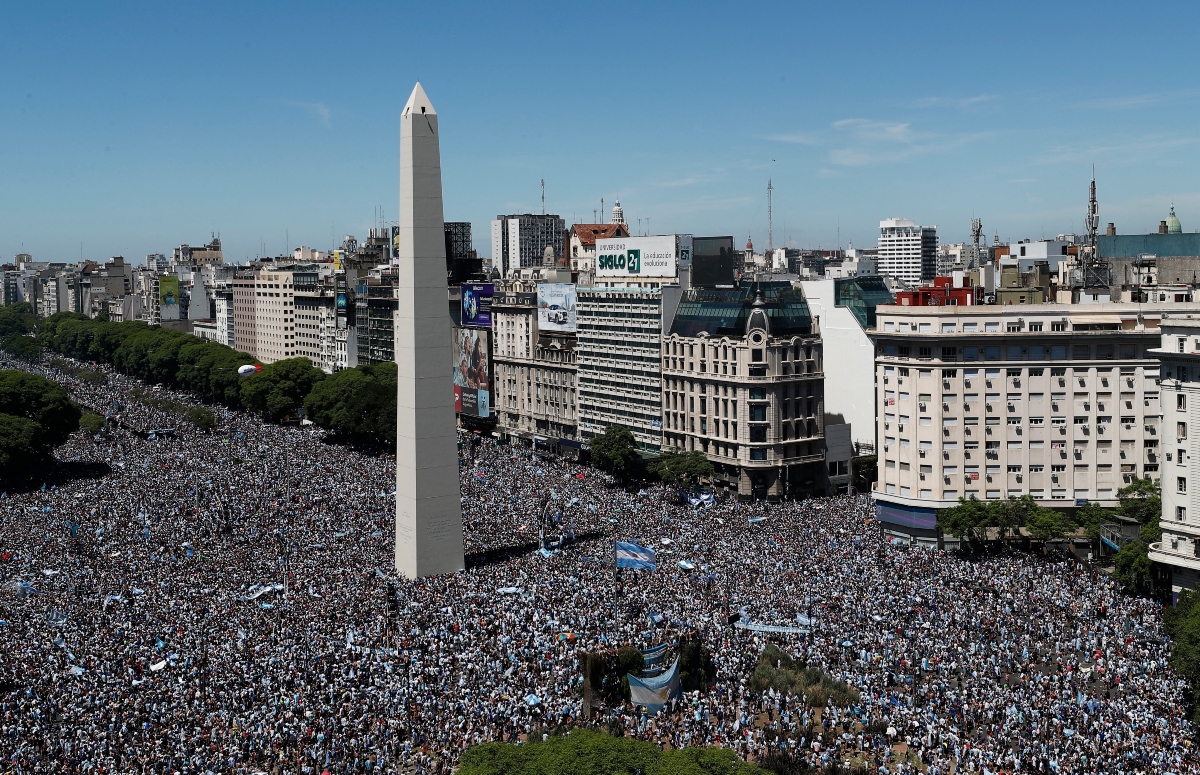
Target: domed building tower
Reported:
point(1173, 225)
point(618, 215)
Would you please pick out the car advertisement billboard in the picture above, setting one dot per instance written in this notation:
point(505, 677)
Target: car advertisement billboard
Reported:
point(556, 307)
point(636, 257)
point(168, 297)
point(472, 372)
point(477, 304)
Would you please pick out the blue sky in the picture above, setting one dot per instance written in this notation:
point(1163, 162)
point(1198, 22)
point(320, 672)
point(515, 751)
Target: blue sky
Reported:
point(129, 129)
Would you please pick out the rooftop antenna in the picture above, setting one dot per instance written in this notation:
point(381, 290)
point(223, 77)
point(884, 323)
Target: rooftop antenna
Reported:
point(647, 225)
point(593, 215)
point(543, 196)
point(601, 207)
point(976, 235)
point(770, 223)
point(639, 227)
point(1092, 221)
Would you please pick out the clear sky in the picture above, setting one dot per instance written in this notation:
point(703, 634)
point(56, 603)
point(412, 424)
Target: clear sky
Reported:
point(129, 129)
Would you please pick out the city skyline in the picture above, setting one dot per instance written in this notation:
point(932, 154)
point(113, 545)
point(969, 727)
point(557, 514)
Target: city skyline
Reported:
point(134, 132)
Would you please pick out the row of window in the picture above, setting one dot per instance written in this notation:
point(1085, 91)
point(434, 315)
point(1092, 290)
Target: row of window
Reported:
point(1012, 352)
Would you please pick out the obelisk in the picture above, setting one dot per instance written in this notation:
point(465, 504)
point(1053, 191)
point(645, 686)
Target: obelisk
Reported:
point(429, 536)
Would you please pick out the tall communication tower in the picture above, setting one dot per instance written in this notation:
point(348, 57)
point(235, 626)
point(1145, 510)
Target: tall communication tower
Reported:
point(976, 236)
point(1092, 221)
point(543, 196)
point(770, 223)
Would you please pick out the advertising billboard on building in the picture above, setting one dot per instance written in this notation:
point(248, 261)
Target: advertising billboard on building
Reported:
point(556, 307)
point(636, 257)
point(168, 297)
point(477, 304)
point(472, 372)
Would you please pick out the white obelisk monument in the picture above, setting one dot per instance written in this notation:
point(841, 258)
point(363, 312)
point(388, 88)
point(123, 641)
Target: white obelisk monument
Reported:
point(429, 528)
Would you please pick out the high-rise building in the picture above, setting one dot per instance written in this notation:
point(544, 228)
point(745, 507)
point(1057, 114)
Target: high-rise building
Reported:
point(245, 304)
point(520, 241)
point(742, 383)
point(619, 359)
point(1179, 372)
point(429, 537)
point(907, 252)
point(375, 306)
point(316, 315)
point(275, 313)
point(1056, 401)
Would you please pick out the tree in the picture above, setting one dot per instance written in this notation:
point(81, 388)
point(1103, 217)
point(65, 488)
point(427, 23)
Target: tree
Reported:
point(866, 472)
point(21, 346)
point(1141, 500)
point(357, 404)
point(279, 389)
point(1182, 623)
point(36, 415)
point(1046, 524)
point(584, 752)
point(968, 519)
point(1090, 516)
point(615, 452)
point(685, 469)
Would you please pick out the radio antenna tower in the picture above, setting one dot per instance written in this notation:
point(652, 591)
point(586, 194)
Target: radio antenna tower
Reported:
point(770, 224)
point(976, 236)
point(1092, 222)
point(543, 196)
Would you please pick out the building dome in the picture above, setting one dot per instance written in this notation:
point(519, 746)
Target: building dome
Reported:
point(618, 215)
point(1173, 225)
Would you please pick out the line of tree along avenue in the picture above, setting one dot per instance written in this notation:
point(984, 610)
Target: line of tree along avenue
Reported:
point(357, 405)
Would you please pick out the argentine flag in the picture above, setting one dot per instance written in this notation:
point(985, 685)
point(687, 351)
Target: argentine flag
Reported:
point(634, 556)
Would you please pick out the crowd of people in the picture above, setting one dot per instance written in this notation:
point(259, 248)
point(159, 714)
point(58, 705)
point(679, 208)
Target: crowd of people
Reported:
point(218, 602)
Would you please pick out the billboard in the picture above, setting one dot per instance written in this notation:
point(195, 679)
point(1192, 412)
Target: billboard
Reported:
point(168, 297)
point(556, 307)
point(636, 257)
point(472, 372)
point(477, 304)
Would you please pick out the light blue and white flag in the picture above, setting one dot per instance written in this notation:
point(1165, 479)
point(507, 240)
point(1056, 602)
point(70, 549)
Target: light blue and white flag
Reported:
point(654, 655)
point(635, 556)
point(655, 692)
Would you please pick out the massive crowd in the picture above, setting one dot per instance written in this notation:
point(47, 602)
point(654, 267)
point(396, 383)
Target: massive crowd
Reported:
point(215, 602)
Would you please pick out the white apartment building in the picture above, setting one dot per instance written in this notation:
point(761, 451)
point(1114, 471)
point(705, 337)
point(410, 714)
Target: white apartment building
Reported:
point(315, 315)
point(845, 308)
point(535, 385)
point(1179, 355)
point(907, 252)
point(223, 314)
point(1060, 402)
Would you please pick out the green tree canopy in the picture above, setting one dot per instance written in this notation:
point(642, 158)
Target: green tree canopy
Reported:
point(357, 404)
point(583, 752)
point(280, 388)
point(1141, 500)
point(1182, 623)
point(685, 469)
point(615, 452)
point(36, 415)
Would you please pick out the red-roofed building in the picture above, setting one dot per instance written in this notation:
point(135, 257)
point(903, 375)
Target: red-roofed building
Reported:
point(581, 238)
point(942, 292)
